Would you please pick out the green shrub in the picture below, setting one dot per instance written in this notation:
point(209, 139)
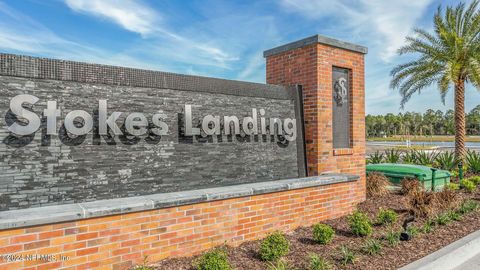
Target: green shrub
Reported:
point(413, 231)
point(274, 246)
point(215, 259)
point(375, 158)
point(429, 226)
point(392, 156)
point(347, 256)
point(372, 247)
point(475, 179)
point(360, 224)
point(445, 161)
point(472, 161)
point(426, 158)
point(409, 157)
point(386, 216)
point(443, 219)
point(453, 186)
point(279, 265)
point(468, 206)
point(392, 237)
point(454, 215)
point(323, 233)
point(468, 185)
point(318, 263)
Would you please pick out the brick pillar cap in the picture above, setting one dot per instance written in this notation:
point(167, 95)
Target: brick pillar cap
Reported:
point(313, 40)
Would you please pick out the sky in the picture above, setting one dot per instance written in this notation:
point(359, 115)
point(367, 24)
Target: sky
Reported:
point(224, 39)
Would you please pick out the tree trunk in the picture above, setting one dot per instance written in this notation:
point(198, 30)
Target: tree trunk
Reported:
point(460, 150)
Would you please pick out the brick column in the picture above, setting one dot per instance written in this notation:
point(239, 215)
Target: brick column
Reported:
point(309, 62)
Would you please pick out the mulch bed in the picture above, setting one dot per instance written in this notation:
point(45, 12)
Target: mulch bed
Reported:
point(246, 255)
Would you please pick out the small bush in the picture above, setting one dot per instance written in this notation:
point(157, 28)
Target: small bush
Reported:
point(413, 231)
point(347, 256)
point(453, 186)
point(426, 158)
point(446, 161)
point(468, 206)
point(429, 226)
point(446, 199)
point(279, 265)
point(421, 203)
point(323, 233)
point(318, 263)
point(392, 237)
point(274, 246)
point(375, 158)
point(372, 247)
point(392, 156)
point(377, 184)
point(443, 219)
point(409, 185)
point(454, 215)
point(468, 185)
point(475, 179)
point(472, 160)
point(409, 157)
point(386, 216)
point(215, 259)
point(360, 224)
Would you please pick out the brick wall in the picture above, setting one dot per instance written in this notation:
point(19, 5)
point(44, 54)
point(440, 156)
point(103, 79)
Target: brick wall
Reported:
point(311, 67)
point(120, 241)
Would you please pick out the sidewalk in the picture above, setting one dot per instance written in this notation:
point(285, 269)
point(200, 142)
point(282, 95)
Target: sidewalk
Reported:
point(463, 254)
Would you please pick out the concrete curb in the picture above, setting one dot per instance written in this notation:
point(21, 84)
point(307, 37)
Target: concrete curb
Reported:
point(450, 256)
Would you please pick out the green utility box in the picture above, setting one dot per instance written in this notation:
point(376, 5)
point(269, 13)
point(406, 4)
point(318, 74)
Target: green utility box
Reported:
point(397, 172)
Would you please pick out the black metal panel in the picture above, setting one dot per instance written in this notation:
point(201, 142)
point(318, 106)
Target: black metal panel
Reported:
point(341, 97)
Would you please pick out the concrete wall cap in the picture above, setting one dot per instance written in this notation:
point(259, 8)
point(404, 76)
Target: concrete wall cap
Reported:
point(314, 40)
point(70, 212)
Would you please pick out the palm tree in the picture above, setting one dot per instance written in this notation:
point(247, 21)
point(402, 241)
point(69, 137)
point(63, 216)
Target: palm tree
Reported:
point(449, 56)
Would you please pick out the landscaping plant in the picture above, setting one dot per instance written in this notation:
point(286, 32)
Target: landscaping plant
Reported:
point(360, 224)
point(446, 199)
point(453, 186)
point(454, 215)
point(392, 237)
point(445, 161)
point(392, 156)
point(428, 226)
point(372, 247)
point(426, 158)
point(468, 185)
point(421, 203)
point(472, 161)
point(323, 233)
point(347, 256)
point(475, 179)
point(377, 184)
point(409, 157)
point(144, 265)
point(386, 216)
point(409, 185)
point(215, 259)
point(279, 265)
point(375, 158)
point(318, 263)
point(274, 246)
point(413, 231)
point(468, 206)
point(443, 219)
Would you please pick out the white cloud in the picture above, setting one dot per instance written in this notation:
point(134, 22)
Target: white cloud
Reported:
point(384, 23)
point(131, 15)
point(138, 17)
